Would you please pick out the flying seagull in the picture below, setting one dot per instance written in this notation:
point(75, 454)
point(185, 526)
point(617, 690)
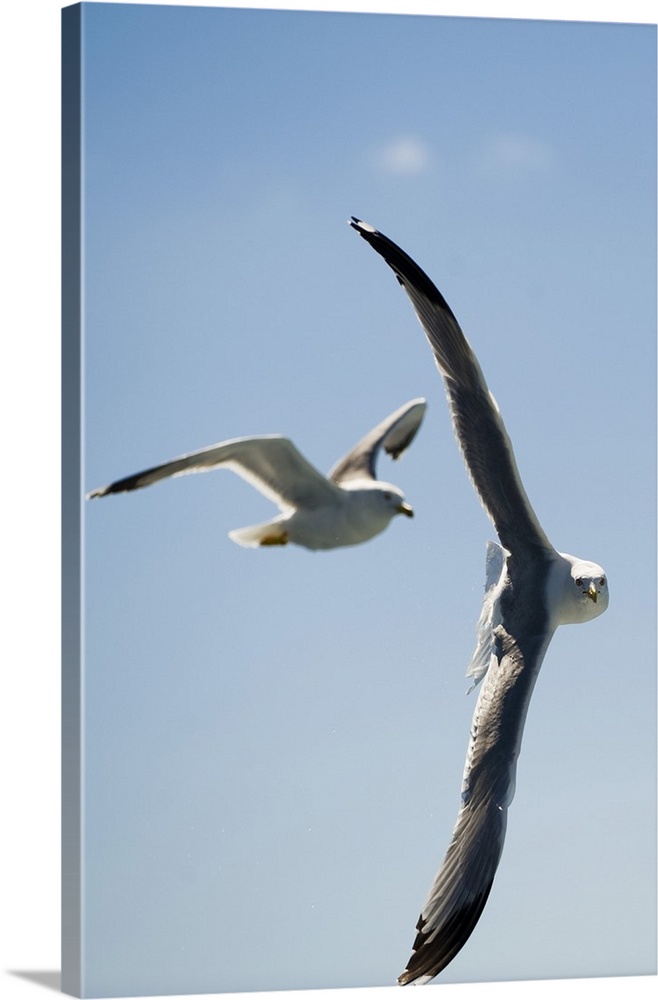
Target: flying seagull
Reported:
point(530, 589)
point(347, 507)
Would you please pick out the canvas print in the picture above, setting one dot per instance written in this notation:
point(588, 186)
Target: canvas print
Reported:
point(372, 699)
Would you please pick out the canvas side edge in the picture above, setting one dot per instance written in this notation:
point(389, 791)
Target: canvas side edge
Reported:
point(71, 651)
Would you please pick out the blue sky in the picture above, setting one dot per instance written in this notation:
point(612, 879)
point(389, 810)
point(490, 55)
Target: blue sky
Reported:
point(275, 739)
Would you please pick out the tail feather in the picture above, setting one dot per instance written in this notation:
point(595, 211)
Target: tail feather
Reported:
point(270, 533)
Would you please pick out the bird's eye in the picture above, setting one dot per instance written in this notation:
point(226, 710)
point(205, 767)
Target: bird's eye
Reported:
point(602, 582)
point(579, 581)
point(387, 496)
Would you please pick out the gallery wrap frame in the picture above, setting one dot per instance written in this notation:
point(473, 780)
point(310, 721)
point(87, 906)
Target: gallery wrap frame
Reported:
point(73, 417)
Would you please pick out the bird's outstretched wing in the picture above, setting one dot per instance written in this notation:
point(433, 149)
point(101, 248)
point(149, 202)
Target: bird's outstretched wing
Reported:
point(270, 463)
point(394, 434)
point(463, 883)
point(478, 426)
point(459, 892)
point(489, 615)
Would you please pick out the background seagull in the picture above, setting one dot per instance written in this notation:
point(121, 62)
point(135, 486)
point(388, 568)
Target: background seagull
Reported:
point(345, 508)
point(529, 591)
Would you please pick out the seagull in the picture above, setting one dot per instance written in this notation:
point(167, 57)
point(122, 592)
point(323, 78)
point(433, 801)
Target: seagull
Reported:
point(530, 590)
point(347, 507)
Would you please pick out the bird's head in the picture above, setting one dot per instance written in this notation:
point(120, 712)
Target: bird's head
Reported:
point(587, 596)
point(392, 499)
point(377, 501)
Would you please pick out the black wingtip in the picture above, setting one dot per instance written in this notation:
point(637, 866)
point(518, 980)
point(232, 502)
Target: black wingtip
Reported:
point(361, 226)
point(120, 486)
point(100, 492)
point(403, 266)
point(432, 956)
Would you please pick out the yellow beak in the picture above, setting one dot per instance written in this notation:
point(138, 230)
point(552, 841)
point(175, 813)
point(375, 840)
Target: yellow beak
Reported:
point(592, 592)
point(405, 508)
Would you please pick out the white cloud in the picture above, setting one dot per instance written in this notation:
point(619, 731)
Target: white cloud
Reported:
point(404, 155)
point(518, 152)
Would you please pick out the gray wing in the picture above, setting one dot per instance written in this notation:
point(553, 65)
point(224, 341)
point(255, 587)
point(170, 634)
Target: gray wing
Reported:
point(478, 426)
point(463, 883)
point(270, 463)
point(489, 615)
point(459, 892)
point(394, 434)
